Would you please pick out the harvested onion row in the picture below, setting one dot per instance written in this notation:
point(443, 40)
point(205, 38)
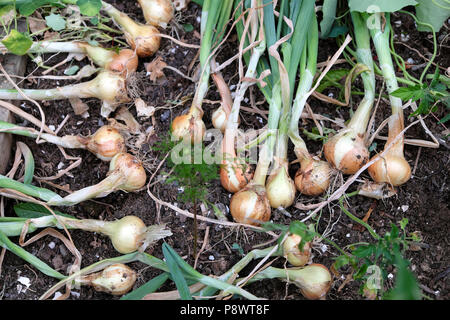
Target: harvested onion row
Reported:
point(105, 143)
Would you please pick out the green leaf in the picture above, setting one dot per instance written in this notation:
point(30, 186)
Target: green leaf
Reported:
point(7, 14)
point(89, 7)
point(413, 92)
point(372, 6)
point(406, 287)
point(149, 287)
point(56, 22)
point(403, 223)
point(17, 43)
point(29, 162)
point(341, 261)
point(26, 8)
point(363, 251)
point(188, 27)
point(329, 15)
point(332, 78)
point(71, 70)
point(176, 273)
point(435, 14)
point(32, 210)
point(444, 119)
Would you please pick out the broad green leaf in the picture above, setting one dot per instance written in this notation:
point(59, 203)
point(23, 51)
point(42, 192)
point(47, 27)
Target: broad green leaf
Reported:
point(149, 287)
point(406, 93)
point(363, 251)
point(71, 70)
point(177, 274)
point(329, 15)
point(32, 210)
point(89, 7)
point(17, 43)
point(26, 8)
point(403, 223)
point(406, 286)
point(56, 22)
point(341, 261)
point(7, 14)
point(432, 12)
point(188, 27)
point(373, 6)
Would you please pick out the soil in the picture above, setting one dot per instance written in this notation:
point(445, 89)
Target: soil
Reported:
point(424, 200)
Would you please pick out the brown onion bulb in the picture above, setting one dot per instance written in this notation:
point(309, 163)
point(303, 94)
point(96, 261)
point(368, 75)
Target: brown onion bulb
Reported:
point(234, 175)
point(280, 189)
point(157, 12)
point(126, 234)
point(292, 252)
point(106, 142)
point(116, 279)
point(392, 169)
point(188, 127)
point(346, 151)
point(126, 60)
point(250, 205)
point(313, 177)
point(144, 40)
point(314, 280)
point(131, 168)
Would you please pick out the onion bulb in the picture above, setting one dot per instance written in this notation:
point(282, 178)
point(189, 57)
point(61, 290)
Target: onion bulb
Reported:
point(157, 12)
point(130, 168)
point(116, 279)
point(144, 39)
point(346, 151)
point(234, 175)
point(250, 205)
point(280, 189)
point(219, 119)
point(106, 142)
point(391, 169)
point(313, 177)
point(189, 128)
point(314, 280)
point(292, 252)
point(126, 234)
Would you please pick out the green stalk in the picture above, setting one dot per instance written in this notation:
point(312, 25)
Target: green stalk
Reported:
point(30, 190)
point(308, 68)
point(361, 116)
point(69, 141)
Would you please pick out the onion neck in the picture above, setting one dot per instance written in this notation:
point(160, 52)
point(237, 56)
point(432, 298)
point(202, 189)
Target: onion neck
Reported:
point(128, 24)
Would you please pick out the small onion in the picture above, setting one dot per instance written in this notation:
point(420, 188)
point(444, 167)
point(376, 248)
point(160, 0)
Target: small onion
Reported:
point(188, 127)
point(280, 189)
point(313, 177)
point(157, 12)
point(144, 40)
point(129, 167)
point(116, 279)
point(392, 169)
point(219, 119)
point(250, 205)
point(126, 234)
point(314, 280)
point(346, 151)
point(105, 143)
point(292, 252)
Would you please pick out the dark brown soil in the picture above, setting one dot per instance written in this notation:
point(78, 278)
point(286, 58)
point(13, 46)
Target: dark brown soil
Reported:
point(424, 200)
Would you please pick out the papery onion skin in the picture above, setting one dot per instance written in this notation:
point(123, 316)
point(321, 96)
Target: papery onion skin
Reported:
point(116, 279)
point(109, 86)
point(314, 281)
point(391, 169)
point(250, 205)
point(144, 40)
point(106, 143)
point(157, 12)
point(313, 177)
point(293, 254)
point(346, 152)
point(234, 176)
point(280, 189)
point(188, 127)
point(126, 60)
point(131, 168)
point(126, 234)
